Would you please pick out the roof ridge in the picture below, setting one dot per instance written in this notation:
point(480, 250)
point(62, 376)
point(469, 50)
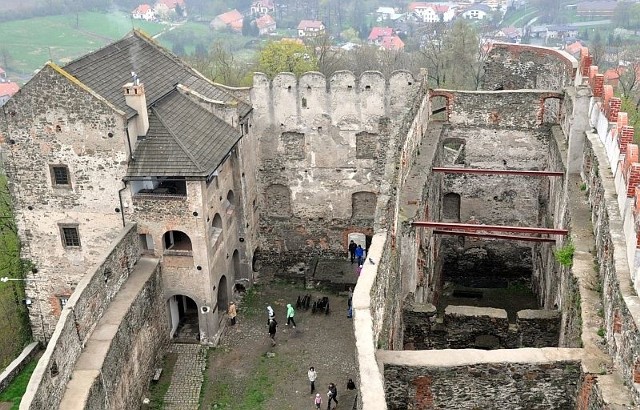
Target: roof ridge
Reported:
point(126, 36)
point(177, 140)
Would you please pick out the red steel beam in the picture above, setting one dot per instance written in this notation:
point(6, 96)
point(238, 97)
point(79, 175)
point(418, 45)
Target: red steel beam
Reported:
point(494, 236)
point(497, 228)
point(448, 170)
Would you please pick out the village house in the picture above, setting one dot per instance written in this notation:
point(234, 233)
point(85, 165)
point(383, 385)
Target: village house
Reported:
point(392, 43)
point(378, 33)
point(265, 24)
point(7, 87)
point(310, 28)
point(385, 38)
point(387, 14)
point(231, 19)
point(477, 12)
point(432, 12)
point(144, 12)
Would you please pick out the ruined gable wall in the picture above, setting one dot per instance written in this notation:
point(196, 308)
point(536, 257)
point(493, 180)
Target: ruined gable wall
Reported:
point(55, 121)
point(322, 141)
point(514, 66)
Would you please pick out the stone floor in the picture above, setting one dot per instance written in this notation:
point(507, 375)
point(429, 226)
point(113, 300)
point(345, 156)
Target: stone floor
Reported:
point(187, 378)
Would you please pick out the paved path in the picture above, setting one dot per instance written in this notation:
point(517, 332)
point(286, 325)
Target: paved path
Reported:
point(187, 378)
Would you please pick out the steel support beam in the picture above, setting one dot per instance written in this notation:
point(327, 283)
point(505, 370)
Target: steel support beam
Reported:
point(497, 228)
point(494, 236)
point(448, 170)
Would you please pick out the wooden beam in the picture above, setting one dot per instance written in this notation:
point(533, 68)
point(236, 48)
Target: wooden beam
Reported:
point(494, 236)
point(485, 228)
point(521, 172)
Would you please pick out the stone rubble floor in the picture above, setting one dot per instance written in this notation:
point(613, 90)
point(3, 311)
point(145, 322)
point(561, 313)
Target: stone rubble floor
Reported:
point(246, 372)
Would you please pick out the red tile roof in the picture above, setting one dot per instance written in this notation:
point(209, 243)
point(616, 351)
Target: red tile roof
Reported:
point(309, 24)
point(143, 8)
point(392, 43)
point(171, 4)
point(230, 17)
point(265, 21)
point(439, 8)
point(377, 32)
point(8, 88)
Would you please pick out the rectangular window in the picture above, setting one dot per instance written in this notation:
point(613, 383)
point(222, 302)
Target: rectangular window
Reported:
point(60, 175)
point(70, 236)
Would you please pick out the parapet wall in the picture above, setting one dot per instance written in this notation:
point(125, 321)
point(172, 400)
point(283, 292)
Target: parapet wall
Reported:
point(85, 308)
point(516, 67)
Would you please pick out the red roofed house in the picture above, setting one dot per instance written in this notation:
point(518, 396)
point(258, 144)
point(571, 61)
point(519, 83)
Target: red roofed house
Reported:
point(392, 43)
point(231, 19)
point(378, 33)
point(144, 12)
point(432, 12)
point(310, 28)
point(612, 75)
point(574, 48)
point(261, 7)
point(265, 24)
point(7, 88)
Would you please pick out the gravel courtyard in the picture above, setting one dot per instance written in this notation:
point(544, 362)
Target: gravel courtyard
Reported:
point(246, 372)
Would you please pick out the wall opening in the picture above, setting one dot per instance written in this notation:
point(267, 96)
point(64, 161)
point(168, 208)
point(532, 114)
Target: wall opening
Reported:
point(366, 145)
point(177, 242)
point(223, 295)
point(439, 108)
point(451, 207)
point(184, 322)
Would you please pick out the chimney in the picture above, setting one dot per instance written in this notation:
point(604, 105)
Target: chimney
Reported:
point(135, 98)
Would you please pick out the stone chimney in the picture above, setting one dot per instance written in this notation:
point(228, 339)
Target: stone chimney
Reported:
point(135, 98)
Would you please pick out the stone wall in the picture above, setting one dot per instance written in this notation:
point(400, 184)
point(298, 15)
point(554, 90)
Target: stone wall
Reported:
point(55, 121)
point(134, 351)
point(467, 327)
point(78, 320)
point(470, 379)
point(514, 109)
point(514, 66)
point(326, 151)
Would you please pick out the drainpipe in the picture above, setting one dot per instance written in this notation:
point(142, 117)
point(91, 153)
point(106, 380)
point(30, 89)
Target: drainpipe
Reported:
point(126, 130)
point(121, 205)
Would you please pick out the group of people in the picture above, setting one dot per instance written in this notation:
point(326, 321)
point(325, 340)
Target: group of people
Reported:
point(356, 253)
point(272, 324)
point(332, 393)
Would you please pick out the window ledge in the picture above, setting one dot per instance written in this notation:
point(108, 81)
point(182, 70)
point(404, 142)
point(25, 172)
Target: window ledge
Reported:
point(173, 252)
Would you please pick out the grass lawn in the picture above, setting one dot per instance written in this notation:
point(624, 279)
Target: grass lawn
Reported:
point(14, 392)
point(30, 43)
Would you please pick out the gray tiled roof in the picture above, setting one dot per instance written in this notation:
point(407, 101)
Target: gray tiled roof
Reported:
point(106, 70)
point(184, 139)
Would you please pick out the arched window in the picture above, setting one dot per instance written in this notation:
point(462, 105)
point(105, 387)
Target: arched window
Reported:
point(177, 241)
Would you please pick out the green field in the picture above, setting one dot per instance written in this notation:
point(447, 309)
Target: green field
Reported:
point(28, 44)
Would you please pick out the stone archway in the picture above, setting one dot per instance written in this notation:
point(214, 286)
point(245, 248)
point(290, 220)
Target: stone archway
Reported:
point(237, 268)
point(184, 322)
point(223, 295)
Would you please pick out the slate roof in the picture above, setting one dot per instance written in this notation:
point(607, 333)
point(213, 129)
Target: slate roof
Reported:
point(106, 70)
point(184, 140)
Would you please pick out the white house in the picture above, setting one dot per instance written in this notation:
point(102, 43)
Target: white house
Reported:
point(386, 14)
point(144, 12)
point(477, 12)
point(432, 12)
point(310, 28)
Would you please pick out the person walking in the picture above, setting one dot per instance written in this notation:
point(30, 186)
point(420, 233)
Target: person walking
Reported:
point(359, 252)
point(312, 375)
point(317, 400)
point(332, 394)
point(232, 313)
point(290, 314)
point(352, 250)
point(270, 312)
point(273, 327)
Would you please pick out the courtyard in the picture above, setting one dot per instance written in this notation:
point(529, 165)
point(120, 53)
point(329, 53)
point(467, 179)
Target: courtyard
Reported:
point(245, 372)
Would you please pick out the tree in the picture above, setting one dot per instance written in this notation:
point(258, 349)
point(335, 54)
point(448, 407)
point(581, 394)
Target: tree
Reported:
point(219, 65)
point(286, 56)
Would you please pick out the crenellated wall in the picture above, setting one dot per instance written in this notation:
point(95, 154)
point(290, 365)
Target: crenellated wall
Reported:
point(327, 149)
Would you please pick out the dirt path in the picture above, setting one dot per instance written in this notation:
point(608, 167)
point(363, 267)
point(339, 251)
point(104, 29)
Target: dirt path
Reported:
point(245, 372)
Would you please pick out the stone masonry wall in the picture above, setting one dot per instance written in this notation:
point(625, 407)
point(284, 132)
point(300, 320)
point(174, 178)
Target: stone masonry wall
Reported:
point(134, 352)
point(521, 109)
point(312, 171)
point(468, 327)
point(620, 302)
point(55, 121)
point(513, 67)
point(483, 381)
point(78, 319)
